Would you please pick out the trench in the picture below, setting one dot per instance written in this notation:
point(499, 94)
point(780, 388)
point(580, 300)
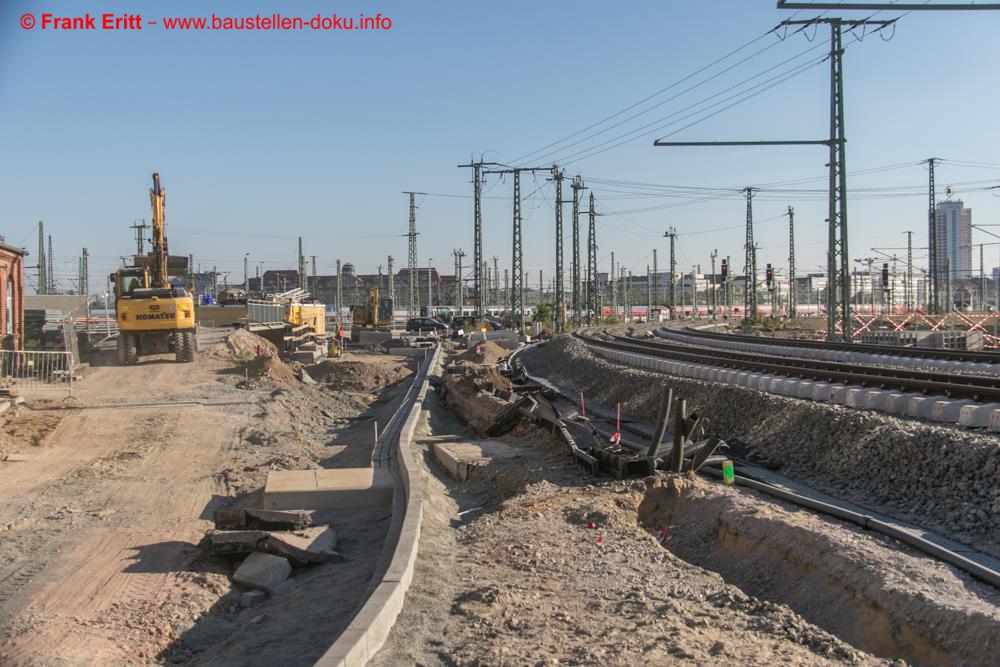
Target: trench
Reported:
point(830, 577)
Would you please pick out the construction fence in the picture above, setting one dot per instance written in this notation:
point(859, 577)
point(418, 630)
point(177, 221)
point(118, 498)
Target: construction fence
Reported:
point(36, 370)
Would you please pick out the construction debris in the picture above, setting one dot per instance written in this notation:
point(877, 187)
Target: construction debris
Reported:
point(262, 519)
point(262, 572)
point(309, 545)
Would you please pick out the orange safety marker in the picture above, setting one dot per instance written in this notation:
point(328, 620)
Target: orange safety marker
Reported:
point(583, 408)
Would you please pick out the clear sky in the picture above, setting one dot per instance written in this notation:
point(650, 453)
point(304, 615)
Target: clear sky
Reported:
point(261, 136)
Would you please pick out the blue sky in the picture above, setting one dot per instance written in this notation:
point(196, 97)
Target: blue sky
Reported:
point(263, 136)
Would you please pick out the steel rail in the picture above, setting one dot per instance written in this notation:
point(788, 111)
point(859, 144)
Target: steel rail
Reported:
point(974, 387)
point(918, 353)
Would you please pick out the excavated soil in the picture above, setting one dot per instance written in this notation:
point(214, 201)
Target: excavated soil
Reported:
point(360, 372)
point(941, 477)
point(486, 352)
point(242, 343)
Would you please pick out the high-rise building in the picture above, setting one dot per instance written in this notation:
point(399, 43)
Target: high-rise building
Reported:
point(954, 240)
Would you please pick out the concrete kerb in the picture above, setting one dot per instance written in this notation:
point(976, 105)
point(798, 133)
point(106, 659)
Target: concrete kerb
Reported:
point(370, 627)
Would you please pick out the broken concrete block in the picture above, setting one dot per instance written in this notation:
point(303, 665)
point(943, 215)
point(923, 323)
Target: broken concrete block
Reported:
point(279, 519)
point(252, 599)
point(261, 519)
point(223, 542)
point(229, 519)
point(262, 571)
point(310, 545)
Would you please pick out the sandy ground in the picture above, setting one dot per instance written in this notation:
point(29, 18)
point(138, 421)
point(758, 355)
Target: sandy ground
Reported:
point(102, 504)
point(511, 573)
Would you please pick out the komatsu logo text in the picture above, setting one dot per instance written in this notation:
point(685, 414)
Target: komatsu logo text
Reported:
point(154, 316)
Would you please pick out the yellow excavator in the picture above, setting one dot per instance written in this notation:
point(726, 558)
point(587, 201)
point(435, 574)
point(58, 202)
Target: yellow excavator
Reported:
point(376, 313)
point(153, 316)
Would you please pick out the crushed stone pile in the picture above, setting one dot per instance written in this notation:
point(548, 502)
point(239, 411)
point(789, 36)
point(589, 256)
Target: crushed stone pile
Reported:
point(939, 476)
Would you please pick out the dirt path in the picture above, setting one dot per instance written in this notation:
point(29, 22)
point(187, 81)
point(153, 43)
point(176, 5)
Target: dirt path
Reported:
point(99, 519)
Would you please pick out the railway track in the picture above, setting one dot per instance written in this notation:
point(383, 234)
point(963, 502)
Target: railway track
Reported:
point(888, 350)
point(950, 384)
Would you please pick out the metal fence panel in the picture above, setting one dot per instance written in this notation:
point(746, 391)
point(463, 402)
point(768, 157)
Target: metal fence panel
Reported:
point(36, 370)
point(265, 312)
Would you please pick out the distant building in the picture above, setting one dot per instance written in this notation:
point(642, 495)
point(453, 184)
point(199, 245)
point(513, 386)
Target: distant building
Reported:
point(954, 239)
point(12, 296)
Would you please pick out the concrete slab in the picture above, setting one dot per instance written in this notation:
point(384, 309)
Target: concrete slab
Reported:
point(223, 542)
point(458, 458)
point(995, 420)
point(401, 351)
point(252, 599)
point(978, 415)
point(262, 572)
point(341, 488)
point(949, 410)
point(806, 389)
point(309, 545)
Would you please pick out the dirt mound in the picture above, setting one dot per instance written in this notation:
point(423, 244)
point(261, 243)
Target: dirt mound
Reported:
point(486, 352)
point(269, 371)
point(242, 343)
point(356, 375)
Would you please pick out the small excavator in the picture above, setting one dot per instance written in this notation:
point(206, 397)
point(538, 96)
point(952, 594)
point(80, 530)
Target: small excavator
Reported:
point(153, 316)
point(376, 313)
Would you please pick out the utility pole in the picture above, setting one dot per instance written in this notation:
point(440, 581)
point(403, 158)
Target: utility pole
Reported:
point(139, 225)
point(655, 287)
point(340, 289)
point(459, 255)
point(517, 258)
point(85, 271)
point(982, 277)
point(560, 299)
point(51, 283)
point(414, 300)
point(478, 279)
point(496, 281)
point(591, 260)
point(392, 280)
point(302, 267)
point(793, 297)
point(672, 279)
point(517, 250)
point(750, 288)
point(577, 185)
point(649, 292)
point(612, 279)
point(908, 288)
point(43, 280)
point(430, 287)
point(315, 281)
point(839, 310)
point(932, 240)
point(714, 302)
point(506, 292)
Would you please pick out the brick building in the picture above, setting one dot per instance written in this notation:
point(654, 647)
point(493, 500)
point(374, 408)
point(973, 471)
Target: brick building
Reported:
point(12, 297)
